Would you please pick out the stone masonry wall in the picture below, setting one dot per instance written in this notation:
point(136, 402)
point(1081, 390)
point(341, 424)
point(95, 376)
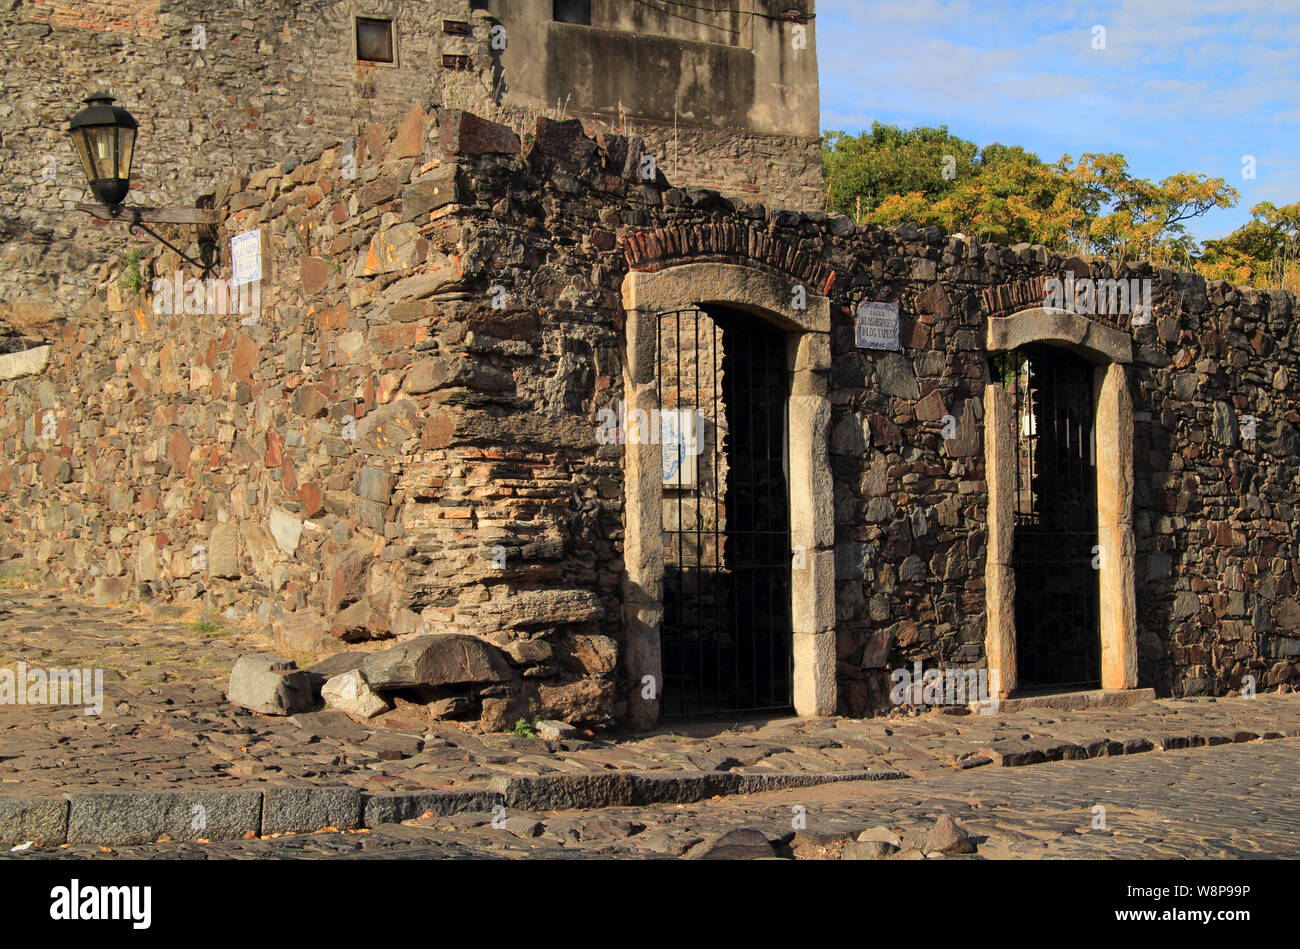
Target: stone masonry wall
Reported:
point(782, 171)
point(405, 441)
point(261, 81)
point(222, 89)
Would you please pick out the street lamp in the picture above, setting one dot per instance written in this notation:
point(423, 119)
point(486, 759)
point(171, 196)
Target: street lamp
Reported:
point(103, 135)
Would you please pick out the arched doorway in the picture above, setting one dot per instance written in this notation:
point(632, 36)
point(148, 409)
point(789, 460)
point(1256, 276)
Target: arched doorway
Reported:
point(727, 632)
point(741, 564)
point(1058, 458)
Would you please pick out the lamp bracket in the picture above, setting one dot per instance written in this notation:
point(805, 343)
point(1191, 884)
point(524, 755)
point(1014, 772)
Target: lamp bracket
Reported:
point(137, 217)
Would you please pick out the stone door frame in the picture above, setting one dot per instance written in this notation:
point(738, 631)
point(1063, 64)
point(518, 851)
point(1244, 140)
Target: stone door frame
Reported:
point(1109, 350)
point(812, 526)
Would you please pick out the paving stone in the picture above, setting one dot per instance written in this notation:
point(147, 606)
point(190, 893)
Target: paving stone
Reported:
point(743, 844)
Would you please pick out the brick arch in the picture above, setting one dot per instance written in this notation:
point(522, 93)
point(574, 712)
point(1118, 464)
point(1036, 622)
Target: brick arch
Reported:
point(725, 242)
point(766, 296)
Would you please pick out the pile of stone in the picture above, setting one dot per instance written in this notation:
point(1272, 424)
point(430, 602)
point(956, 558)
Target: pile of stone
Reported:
point(446, 676)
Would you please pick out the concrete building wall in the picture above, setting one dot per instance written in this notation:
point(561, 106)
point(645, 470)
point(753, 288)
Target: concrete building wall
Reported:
point(726, 100)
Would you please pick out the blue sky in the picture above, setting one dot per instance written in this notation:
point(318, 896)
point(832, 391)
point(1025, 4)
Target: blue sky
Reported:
point(1182, 85)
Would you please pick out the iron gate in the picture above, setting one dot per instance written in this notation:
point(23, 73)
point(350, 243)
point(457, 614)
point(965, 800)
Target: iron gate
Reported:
point(726, 633)
point(1055, 554)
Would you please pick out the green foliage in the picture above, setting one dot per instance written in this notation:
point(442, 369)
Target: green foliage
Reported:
point(862, 171)
point(204, 626)
point(1008, 195)
point(132, 280)
point(524, 729)
point(1264, 252)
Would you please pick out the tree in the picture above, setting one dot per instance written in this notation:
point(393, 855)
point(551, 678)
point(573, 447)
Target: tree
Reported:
point(1007, 194)
point(1124, 218)
point(1263, 252)
point(862, 171)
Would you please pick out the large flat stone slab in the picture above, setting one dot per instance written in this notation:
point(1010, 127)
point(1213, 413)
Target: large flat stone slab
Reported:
point(25, 363)
point(445, 659)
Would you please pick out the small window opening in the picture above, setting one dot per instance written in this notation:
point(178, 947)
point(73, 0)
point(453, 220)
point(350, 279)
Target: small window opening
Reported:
point(572, 11)
point(375, 40)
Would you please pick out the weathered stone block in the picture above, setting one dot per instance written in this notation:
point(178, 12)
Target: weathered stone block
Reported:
point(270, 685)
point(351, 694)
point(392, 250)
point(448, 659)
point(223, 551)
point(286, 529)
point(26, 362)
point(443, 186)
point(540, 608)
point(309, 809)
point(815, 691)
point(140, 817)
point(42, 821)
point(385, 429)
point(462, 133)
point(896, 377)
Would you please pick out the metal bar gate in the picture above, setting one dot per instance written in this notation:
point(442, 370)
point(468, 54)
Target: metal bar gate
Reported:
point(1054, 554)
point(726, 634)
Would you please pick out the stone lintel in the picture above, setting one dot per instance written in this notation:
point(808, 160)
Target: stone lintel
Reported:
point(1090, 339)
point(742, 288)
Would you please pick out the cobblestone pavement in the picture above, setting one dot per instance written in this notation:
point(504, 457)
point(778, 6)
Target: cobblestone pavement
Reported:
point(1235, 801)
point(166, 725)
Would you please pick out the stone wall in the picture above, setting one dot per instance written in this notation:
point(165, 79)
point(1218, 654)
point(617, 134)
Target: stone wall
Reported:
point(222, 89)
point(219, 89)
point(405, 440)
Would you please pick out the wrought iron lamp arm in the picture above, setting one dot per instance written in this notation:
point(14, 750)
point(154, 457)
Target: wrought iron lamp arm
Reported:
point(204, 265)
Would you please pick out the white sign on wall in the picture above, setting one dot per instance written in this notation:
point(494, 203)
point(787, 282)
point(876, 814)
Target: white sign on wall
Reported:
point(246, 256)
point(877, 325)
point(681, 445)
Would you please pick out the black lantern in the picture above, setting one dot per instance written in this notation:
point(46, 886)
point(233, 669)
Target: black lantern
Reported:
point(104, 136)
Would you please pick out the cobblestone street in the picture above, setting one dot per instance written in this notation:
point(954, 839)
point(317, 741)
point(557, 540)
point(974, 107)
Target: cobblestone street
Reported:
point(166, 723)
point(1207, 784)
point(1236, 801)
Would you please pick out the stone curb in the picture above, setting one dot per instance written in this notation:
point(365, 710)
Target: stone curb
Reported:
point(589, 791)
point(1015, 753)
point(140, 817)
point(397, 807)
